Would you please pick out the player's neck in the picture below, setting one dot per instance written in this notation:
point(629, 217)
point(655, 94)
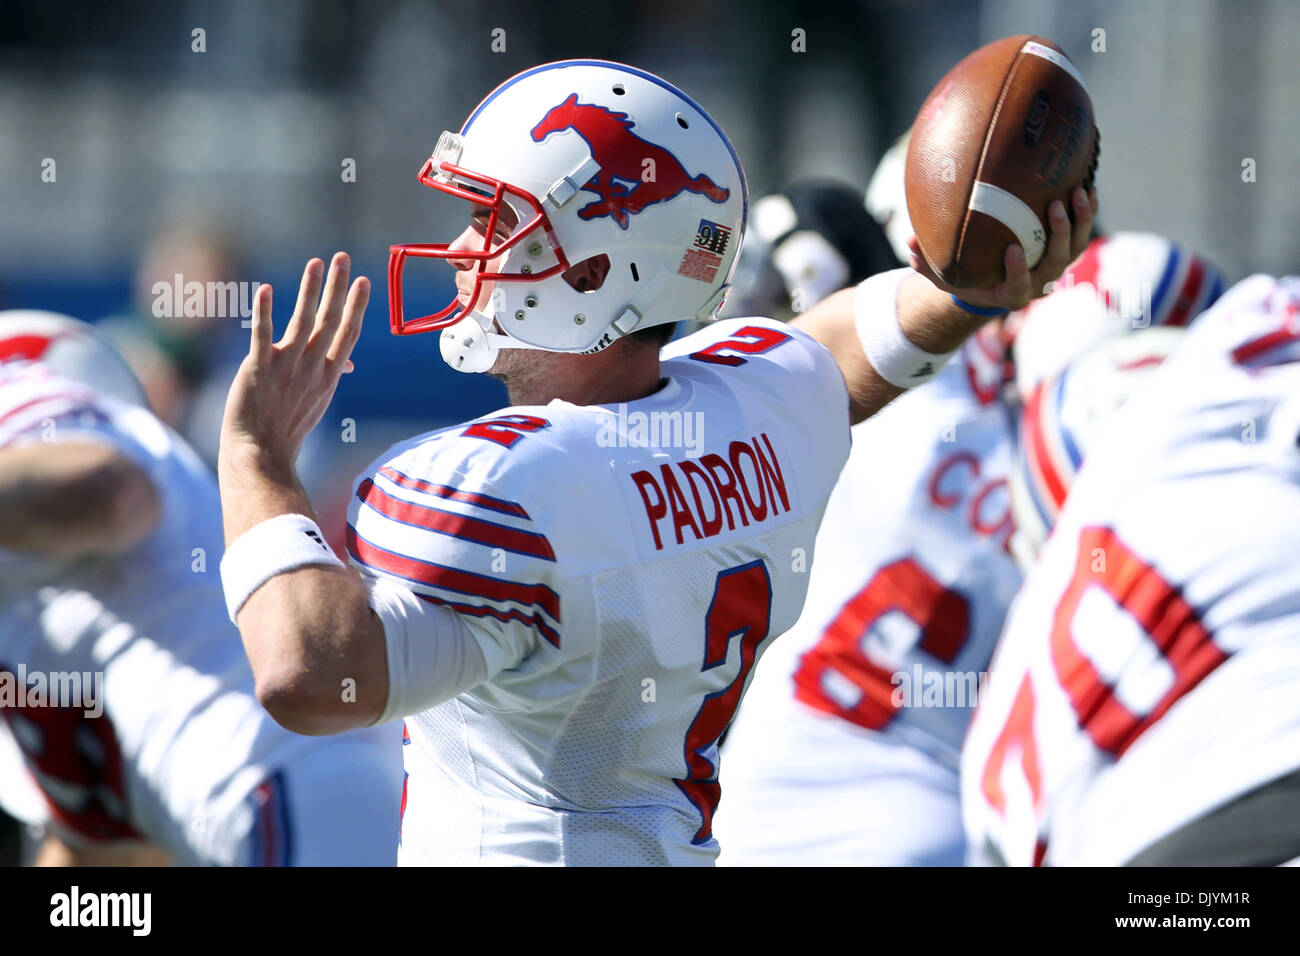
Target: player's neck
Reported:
point(606, 378)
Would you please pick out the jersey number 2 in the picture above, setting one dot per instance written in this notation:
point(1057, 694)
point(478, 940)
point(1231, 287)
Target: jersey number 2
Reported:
point(751, 340)
point(741, 607)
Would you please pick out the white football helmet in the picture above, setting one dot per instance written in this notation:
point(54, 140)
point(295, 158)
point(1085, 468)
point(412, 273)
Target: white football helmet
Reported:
point(70, 348)
point(593, 158)
point(1062, 419)
point(886, 198)
point(1121, 283)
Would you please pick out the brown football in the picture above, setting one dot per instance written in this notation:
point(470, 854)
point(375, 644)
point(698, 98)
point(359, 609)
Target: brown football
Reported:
point(1009, 129)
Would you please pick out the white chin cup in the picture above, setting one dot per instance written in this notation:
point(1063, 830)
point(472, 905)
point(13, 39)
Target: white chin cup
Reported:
point(468, 346)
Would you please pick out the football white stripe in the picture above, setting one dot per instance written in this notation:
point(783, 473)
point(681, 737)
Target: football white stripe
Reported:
point(1047, 53)
point(1011, 211)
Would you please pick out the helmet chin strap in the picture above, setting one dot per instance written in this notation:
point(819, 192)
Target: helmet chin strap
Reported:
point(470, 346)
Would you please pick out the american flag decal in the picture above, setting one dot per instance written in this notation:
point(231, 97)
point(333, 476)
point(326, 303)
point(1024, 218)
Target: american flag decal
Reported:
point(713, 237)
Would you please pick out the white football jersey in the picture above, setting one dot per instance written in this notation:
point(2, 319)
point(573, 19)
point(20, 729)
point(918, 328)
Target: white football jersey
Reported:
point(167, 741)
point(622, 568)
point(1149, 667)
point(846, 748)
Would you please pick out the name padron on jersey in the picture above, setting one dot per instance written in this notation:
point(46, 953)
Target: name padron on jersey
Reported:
point(747, 484)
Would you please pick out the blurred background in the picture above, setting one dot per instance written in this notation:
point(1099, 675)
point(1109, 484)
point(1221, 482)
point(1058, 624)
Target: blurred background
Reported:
point(214, 139)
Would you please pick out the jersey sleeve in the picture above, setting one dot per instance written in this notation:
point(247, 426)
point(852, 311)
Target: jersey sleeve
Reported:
point(434, 519)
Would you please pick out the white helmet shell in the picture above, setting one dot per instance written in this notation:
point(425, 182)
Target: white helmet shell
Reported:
point(71, 348)
point(886, 198)
point(1061, 420)
point(1121, 283)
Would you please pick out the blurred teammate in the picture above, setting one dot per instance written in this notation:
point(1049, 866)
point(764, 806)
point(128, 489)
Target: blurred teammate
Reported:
point(565, 606)
point(886, 198)
point(108, 588)
point(847, 749)
point(803, 243)
point(1142, 708)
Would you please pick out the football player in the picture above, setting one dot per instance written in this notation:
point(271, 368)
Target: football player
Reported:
point(122, 682)
point(1142, 708)
point(801, 244)
point(565, 598)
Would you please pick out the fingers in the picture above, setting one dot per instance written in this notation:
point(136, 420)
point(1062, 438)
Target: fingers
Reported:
point(350, 329)
point(334, 324)
point(1085, 211)
point(1058, 241)
point(1016, 287)
point(918, 263)
point(259, 347)
point(330, 313)
point(296, 333)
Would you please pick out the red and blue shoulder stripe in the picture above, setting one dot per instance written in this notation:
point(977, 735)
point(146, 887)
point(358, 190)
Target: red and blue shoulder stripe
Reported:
point(454, 524)
point(420, 574)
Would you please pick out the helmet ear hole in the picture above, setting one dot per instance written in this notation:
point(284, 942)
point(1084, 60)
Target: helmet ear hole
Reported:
point(589, 274)
point(635, 276)
point(618, 89)
point(681, 121)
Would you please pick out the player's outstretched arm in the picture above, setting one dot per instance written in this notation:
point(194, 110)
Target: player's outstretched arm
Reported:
point(307, 631)
point(72, 499)
point(927, 315)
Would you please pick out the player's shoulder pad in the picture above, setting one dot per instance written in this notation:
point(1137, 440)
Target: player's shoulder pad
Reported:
point(492, 460)
point(1256, 322)
point(757, 348)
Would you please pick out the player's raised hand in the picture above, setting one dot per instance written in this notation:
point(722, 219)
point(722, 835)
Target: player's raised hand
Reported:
point(1065, 243)
point(283, 388)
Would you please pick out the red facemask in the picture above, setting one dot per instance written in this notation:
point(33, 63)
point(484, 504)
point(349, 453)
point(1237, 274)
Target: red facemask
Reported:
point(493, 197)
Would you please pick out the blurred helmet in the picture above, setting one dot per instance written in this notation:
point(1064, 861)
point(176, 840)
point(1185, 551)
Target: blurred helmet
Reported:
point(1061, 420)
point(593, 158)
point(70, 348)
point(886, 198)
point(802, 244)
point(1121, 283)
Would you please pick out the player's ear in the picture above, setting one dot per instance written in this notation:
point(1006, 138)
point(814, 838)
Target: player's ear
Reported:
point(589, 274)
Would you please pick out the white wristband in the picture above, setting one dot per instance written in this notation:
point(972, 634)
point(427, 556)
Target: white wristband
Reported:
point(890, 352)
point(278, 544)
